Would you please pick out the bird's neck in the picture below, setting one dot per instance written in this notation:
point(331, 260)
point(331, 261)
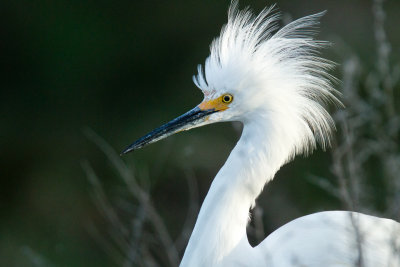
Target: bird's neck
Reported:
point(221, 225)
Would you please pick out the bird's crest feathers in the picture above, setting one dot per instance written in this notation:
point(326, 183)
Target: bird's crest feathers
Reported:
point(279, 68)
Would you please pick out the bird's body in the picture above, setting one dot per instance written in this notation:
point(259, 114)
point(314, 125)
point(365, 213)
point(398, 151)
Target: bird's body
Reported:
point(275, 84)
point(334, 238)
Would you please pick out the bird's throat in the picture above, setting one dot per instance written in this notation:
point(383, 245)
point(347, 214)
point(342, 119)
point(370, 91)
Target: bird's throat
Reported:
point(221, 225)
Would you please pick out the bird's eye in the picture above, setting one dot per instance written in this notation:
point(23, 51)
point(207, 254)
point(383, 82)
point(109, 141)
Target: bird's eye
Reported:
point(227, 98)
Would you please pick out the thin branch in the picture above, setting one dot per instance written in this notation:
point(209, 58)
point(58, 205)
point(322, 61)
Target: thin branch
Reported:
point(141, 195)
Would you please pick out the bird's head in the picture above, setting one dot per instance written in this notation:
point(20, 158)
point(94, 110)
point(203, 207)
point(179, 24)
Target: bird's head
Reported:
point(261, 75)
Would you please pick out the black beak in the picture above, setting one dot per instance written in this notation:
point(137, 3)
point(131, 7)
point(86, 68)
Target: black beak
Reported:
point(184, 122)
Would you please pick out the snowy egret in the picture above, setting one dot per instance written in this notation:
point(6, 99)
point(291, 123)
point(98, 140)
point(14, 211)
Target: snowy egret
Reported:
point(273, 81)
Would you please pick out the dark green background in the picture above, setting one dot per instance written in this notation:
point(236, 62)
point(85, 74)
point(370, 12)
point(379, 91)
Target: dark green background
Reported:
point(123, 68)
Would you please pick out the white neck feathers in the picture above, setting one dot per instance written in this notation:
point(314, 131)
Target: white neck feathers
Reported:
point(221, 224)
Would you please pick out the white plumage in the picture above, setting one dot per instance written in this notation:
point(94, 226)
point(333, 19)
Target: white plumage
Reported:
point(278, 85)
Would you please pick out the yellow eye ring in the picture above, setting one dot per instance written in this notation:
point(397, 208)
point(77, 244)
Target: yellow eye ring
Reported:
point(228, 98)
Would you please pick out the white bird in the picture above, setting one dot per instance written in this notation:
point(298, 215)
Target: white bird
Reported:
point(273, 81)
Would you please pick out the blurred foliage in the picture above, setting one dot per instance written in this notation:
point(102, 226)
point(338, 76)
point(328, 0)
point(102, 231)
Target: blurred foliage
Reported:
point(122, 68)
